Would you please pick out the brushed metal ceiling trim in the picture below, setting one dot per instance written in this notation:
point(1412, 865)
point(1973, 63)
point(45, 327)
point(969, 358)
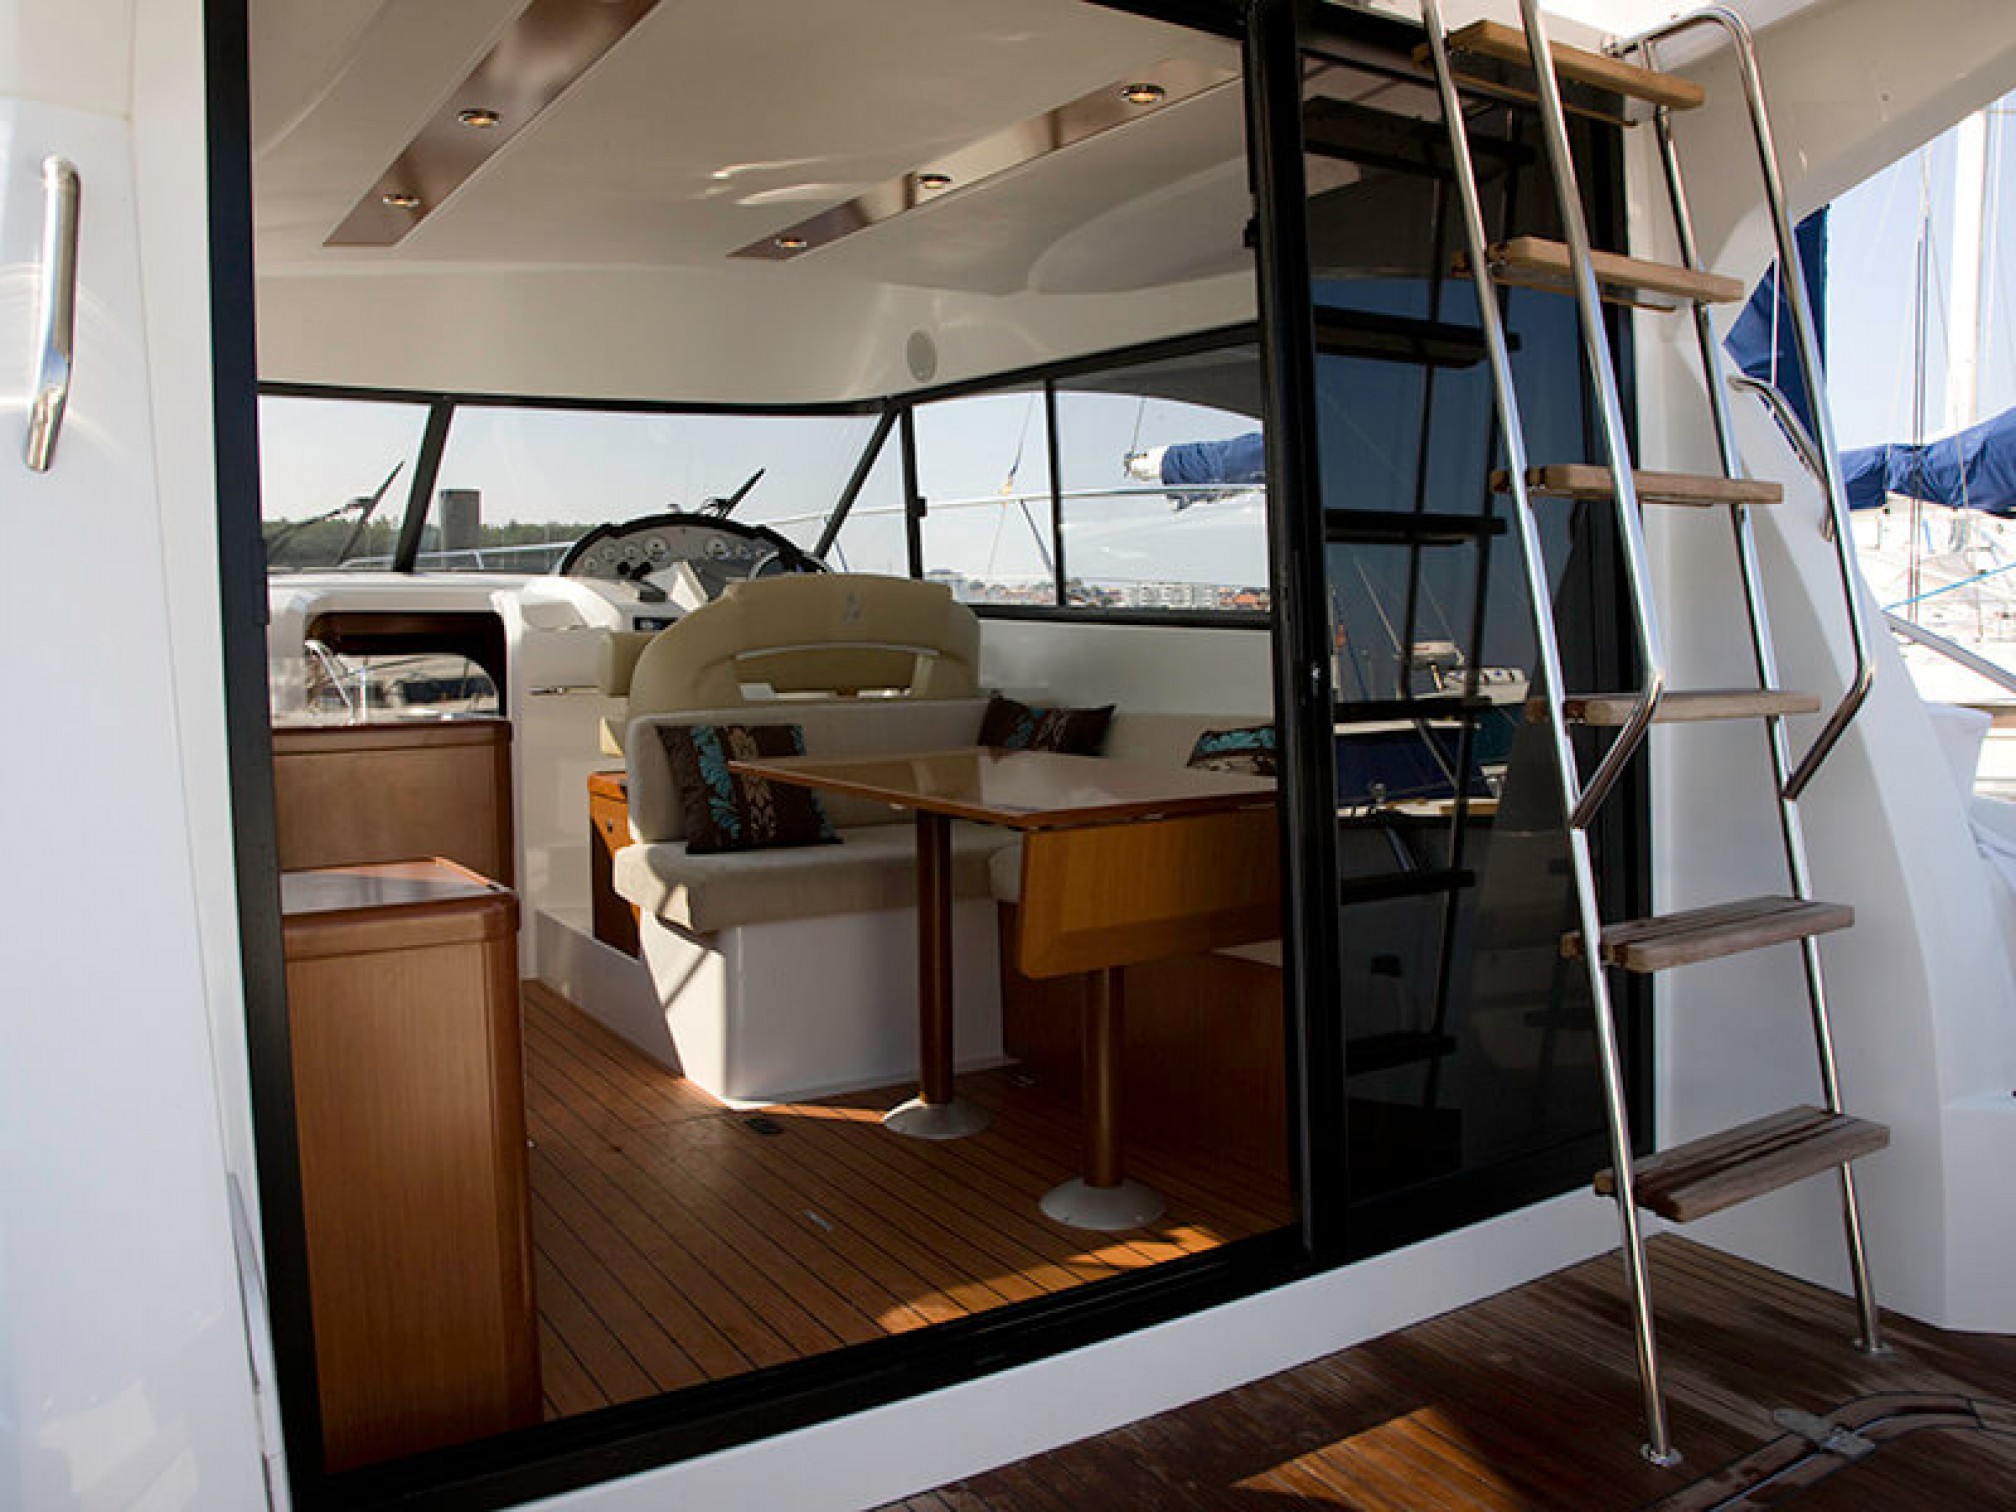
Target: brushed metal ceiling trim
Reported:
point(1075, 121)
point(538, 58)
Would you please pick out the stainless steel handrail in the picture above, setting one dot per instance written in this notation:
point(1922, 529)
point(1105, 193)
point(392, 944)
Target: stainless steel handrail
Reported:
point(1953, 651)
point(1792, 280)
point(1790, 823)
point(1603, 376)
point(1539, 593)
point(1794, 429)
point(56, 312)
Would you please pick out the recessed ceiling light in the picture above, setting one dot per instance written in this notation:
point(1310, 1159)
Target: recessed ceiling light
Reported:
point(791, 243)
point(934, 181)
point(1143, 94)
point(401, 201)
point(481, 117)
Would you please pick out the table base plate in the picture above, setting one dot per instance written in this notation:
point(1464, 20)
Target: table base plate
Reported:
point(917, 1119)
point(1082, 1205)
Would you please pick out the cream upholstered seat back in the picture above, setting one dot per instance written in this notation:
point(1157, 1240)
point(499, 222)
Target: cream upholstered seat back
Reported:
point(835, 633)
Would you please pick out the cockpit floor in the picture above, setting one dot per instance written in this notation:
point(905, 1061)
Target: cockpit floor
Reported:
point(678, 1241)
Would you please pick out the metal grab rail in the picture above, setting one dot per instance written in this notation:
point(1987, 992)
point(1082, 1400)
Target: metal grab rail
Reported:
point(1953, 651)
point(1792, 279)
point(1794, 429)
point(56, 312)
point(1603, 376)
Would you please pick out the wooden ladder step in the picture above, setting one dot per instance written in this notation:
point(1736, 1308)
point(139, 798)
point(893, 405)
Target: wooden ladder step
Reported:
point(1508, 44)
point(1707, 1175)
point(1688, 706)
point(1535, 262)
point(1703, 934)
point(1586, 480)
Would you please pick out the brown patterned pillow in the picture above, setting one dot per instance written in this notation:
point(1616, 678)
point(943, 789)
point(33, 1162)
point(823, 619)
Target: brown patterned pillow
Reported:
point(1012, 726)
point(726, 811)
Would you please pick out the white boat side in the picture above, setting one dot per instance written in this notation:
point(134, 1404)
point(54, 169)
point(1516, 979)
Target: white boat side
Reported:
point(134, 1349)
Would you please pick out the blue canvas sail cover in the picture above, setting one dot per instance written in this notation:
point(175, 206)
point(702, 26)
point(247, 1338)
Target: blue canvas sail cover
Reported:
point(1242, 460)
point(1761, 342)
point(1975, 469)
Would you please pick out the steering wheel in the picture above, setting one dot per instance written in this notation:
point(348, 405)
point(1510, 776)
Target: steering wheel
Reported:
point(721, 550)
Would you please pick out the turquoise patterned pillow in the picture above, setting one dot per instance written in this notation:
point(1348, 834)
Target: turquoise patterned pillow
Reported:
point(726, 811)
point(1249, 749)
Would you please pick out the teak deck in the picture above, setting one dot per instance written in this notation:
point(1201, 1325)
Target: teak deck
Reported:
point(676, 1242)
point(1529, 1400)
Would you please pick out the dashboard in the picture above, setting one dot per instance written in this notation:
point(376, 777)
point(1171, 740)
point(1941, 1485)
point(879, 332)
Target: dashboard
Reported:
point(720, 551)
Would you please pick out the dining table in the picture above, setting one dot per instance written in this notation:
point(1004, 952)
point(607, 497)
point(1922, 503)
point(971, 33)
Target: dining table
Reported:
point(1122, 862)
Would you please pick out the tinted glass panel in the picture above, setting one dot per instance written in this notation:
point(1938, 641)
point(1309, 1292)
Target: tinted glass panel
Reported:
point(983, 469)
point(333, 479)
point(517, 486)
point(1157, 513)
point(1469, 1069)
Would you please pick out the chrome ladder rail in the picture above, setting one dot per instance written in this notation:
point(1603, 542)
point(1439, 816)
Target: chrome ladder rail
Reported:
point(1791, 828)
point(1539, 594)
point(1582, 801)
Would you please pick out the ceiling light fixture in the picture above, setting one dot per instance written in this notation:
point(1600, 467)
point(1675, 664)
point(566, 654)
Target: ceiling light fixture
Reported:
point(536, 58)
point(971, 168)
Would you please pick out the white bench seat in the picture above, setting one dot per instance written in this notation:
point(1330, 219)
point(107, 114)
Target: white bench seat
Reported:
point(874, 867)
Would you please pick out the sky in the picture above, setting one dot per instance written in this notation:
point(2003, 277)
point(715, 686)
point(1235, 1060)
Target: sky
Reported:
point(1874, 292)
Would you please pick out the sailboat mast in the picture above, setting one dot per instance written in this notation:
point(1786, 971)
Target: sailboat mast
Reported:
point(1970, 199)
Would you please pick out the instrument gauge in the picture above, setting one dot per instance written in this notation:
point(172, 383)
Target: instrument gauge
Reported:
point(659, 550)
point(717, 548)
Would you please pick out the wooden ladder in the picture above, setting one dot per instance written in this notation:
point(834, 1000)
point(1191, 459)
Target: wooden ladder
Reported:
point(1732, 1165)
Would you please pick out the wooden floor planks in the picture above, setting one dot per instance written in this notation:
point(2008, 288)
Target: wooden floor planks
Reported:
point(1530, 1400)
point(677, 1243)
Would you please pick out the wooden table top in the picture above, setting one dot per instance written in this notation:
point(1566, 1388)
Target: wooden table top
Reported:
point(1026, 790)
point(381, 884)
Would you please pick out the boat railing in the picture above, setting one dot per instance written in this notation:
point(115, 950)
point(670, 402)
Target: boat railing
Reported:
point(1776, 400)
point(1953, 651)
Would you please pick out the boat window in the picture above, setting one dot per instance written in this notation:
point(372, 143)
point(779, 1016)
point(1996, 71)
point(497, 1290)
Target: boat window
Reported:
point(875, 536)
point(518, 485)
point(333, 476)
point(983, 471)
point(1164, 499)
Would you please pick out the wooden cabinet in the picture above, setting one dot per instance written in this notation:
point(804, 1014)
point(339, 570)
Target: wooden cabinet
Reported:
point(409, 1101)
point(608, 832)
point(394, 790)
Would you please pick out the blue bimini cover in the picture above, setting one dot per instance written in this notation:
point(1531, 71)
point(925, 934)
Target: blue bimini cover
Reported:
point(1761, 342)
point(1975, 469)
point(1240, 461)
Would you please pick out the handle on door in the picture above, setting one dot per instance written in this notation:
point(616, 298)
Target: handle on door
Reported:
point(56, 312)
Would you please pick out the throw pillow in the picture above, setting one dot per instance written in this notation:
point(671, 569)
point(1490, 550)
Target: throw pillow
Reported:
point(1248, 749)
point(1013, 726)
point(726, 811)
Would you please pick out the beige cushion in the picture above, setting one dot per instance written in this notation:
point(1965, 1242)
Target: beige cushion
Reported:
point(862, 727)
point(871, 868)
point(616, 659)
point(813, 632)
